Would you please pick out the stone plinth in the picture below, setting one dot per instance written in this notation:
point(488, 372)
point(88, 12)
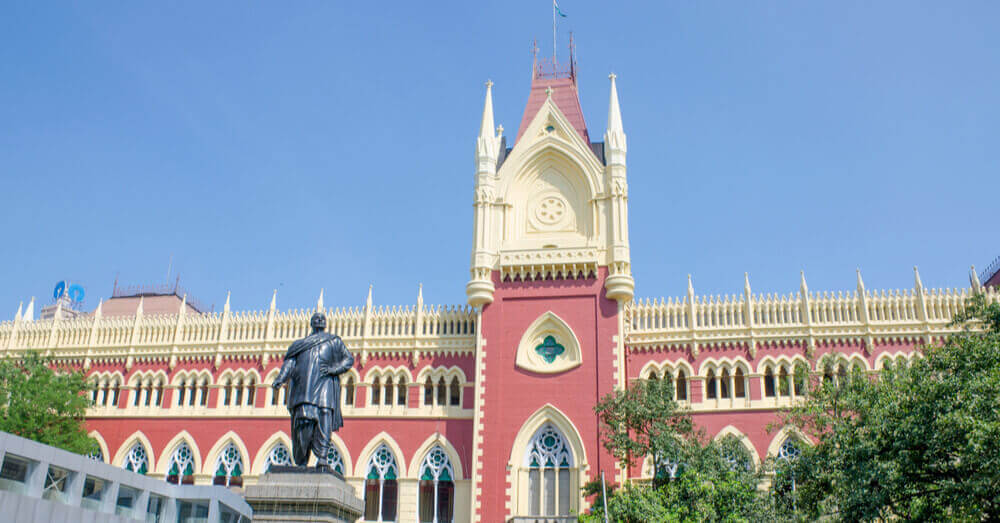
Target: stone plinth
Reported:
point(287, 494)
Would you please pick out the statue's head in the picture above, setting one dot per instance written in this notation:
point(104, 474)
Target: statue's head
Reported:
point(318, 321)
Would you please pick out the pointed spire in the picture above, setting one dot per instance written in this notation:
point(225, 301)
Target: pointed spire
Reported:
point(29, 311)
point(184, 304)
point(138, 310)
point(274, 300)
point(319, 302)
point(225, 308)
point(614, 110)
point(861, 283)
point(916, 279)
point(17, 316)
point(420, 295)
point(974, 279)
point(802, 283)
point(690, 288)
point(368, 301)
point(487, 127)
point(99, 311)
point(746, 283)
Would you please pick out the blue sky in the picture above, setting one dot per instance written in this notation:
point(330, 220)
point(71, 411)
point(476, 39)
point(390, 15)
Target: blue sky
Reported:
point(330, 144)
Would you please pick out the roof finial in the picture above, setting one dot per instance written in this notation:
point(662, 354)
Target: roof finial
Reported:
point(368, 301)
point(974, 279)
point(690, 287)
point(274, 300)
point(548, 92)
point(18, 315)
point(861, 283)
point(98, 312)
point(420, 295)
point(802, 284)
point(916, 279)
point(486, 127)
point(319, 302)
point(746, 283)
point(225, 308)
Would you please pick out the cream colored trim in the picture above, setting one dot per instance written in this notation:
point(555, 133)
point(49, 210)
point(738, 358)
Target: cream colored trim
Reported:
point(436, 439)
point(163, 464)
point(549, 324)
point(365, 455)
point(265, 449)
point(213, 454)
point(140, 437)
point(730, 430)
point(105, 452)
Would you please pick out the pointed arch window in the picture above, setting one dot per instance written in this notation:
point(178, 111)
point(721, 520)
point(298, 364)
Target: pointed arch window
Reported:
point(334, 460)
point(251, 391)
point(724, 384)
point(229, 467)
point(349, 391)
point(455, 393)
point(387, 398)
point(401, 392)
point(789, 450)
point(105, 395)
point(769, 383)
point(181, 466)
point(437, 488)
point(682, 391)
point(711, 390)
point(239, 392)
point(181, 390)
point(376, 391)
point(116, 390)
point(136, 459)
point(228, 393)
point(739, 383)
point(381, 486)
point(204, 393)
point(279, 455)
point(159, 393)
point(97, 455)
point(783, 382)
point(429, 392)
point(442, 392)
point(549, 461)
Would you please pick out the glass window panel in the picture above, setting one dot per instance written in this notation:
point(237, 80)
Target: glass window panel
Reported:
point(14, 473)
point(446, 501)
point(371, 500)
point(426, 501)
point(549, 486)
point(739, 384)
point(56, 484)
point(389, 488)
point(564, 492)
point(93, 492)
point(127, 498)
point(192, 512)
point(534, 492)
point(455, 396)
point(769, 384)
point(154, 509)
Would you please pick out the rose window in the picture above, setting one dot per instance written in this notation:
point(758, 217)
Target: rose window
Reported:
point(550, 210)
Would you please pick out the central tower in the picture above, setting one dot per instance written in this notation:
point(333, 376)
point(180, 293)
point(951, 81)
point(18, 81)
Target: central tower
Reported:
point(550, 274)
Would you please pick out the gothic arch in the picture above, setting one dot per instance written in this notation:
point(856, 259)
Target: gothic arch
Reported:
point(373, 444)
point(730, 430)
point(168, 452)
point(102, 444)
point(213, 453)
point(785, 432)
point(136, 437)
point(436, 439)
point(546, 326)
point(257, 467)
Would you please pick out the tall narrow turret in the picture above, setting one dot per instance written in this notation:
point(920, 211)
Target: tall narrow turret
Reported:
point(620, 285)
point(480, 287)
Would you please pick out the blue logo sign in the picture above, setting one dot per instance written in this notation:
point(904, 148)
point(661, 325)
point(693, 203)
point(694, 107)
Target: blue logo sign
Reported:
point(75, 293)
point(59, 290)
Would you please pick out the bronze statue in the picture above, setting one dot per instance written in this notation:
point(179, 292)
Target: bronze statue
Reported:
point(312, 368)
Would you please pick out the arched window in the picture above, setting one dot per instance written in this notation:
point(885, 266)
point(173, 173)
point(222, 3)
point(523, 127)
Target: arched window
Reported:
point(682, 389)
point(437, 488)
point(96, 455)
point(769, 383)
point(828, 373)
point(251, 391)
point(710, 386)
point(349, 391)
point(376, 391)
point(428, 392)
point(149, 393)
point(783, 382)
point(653, 375)
point(381, 486)
point(442, 392)
point(387, 398)
point(666, 468)
point(401, 392)
point(275, 393)
point(239, 392)
point(138, 392)
point(279, 455)
point(227, 394)
point(136, 459)
point(115, 390)
point(724, 384)
point(181, 390)
point(334, 460)
point(789, 450)
point(204, 393)
point(739, 383)
point(181, 466)
point(105, 395)
point(229, 467)
point(159, 392)
point(801, 378)
point(455, 394)
point(549, 460)
point(95, 390)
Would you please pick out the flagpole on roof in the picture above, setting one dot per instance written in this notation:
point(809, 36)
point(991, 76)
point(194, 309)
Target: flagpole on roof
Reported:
point(553, 35)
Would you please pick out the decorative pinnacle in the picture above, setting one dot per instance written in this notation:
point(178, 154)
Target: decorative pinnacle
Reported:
point(368, 301)
point(802, 284)
point(274, 299)
point(861, 283)
point(225, 308)
point(18, 315)
point(690, 286)
point(138, 310)
point(548, 91)
point(916, 278)
point(746, 280)
point(319, 302)
point(98, 312)
point(420, 294)
point(974, 278)
point(486, 127)
point(489, 84)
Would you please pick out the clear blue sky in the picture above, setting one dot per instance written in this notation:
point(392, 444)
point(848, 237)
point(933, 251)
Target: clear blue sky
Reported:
point(300, 145)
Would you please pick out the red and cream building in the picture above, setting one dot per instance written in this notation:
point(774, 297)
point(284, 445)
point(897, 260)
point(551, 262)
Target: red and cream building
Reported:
point(482, 411)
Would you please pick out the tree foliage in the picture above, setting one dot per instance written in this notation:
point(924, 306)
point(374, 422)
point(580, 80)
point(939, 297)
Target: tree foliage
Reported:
point(919, 442)
point(695, 478)
point(44, 402)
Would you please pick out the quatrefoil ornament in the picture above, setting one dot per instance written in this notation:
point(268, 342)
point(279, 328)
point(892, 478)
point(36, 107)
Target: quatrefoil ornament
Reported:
point(549, 349)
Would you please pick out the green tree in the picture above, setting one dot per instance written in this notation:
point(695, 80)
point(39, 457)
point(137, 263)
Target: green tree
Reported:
point(919, 442)
point(45, 402)
point(695, 478)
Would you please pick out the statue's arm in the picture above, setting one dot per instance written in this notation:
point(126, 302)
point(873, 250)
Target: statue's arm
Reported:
point(286, 369)
point(343, 359)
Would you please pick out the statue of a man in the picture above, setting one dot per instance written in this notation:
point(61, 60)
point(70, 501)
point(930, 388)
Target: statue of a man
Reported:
point(312, 369)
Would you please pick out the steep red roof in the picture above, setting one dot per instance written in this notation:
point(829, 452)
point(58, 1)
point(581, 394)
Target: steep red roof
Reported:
point(564, 95)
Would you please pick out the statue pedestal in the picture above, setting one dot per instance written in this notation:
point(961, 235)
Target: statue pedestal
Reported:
point(287, 494)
